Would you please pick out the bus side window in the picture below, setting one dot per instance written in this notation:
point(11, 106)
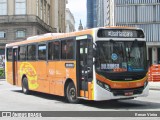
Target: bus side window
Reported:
point(64, 49)
point(31, 52)
point(22, 53)
point(68, 49)
point(42, 52)
point(50, 50)
point(9, 54)
point(56, 50)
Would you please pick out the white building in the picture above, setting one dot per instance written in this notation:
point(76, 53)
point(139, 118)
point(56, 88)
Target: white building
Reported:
point(70, 21)
point(144, 14)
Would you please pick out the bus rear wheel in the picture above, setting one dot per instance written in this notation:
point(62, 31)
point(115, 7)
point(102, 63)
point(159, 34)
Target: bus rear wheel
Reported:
point(71, 94)
point(25, 88)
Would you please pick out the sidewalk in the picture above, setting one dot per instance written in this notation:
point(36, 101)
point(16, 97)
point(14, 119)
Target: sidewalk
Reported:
point(154, 85)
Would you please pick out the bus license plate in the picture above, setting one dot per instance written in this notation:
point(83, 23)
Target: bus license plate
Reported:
point(128, 93)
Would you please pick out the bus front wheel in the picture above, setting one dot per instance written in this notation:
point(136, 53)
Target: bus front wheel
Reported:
point(25, 86)
point(71, 94)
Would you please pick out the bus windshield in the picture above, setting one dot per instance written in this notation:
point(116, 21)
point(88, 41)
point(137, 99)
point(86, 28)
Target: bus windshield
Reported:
point(124, 56)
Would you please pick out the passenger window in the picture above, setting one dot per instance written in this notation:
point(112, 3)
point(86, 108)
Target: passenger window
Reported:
point(31, 52)
point(68, 49)
point(50, 51)
point(54, 50)
point(42, 52)
point(22, 53)
point(64, 50)
point(9, 54)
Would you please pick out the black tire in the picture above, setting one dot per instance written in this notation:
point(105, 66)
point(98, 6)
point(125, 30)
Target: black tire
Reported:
point(71, 94)
point(25, 88)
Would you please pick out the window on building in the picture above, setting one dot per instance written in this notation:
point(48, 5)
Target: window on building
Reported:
point(22, 53)
point(2, 34)
point(45, 10)
point(38, 32)
point(3, 7)
point(37, 7)
point(2, 50)
point(68, 49)
point(31, 52)
point(20, 7)
point(42, 52)
point(9, 54)
point(20, 34)
point(48, 14)
point(41, 9)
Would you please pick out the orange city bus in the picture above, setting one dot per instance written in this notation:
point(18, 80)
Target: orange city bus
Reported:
point(95, 64)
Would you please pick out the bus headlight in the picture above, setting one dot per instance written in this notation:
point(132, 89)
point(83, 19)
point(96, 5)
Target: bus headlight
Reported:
point(103, 85)
point(106, 87)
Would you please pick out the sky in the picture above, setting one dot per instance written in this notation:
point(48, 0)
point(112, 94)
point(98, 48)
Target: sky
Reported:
point(78, 9)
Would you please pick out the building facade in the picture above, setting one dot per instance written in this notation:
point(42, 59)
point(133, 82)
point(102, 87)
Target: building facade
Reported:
point(91, 13)
point(105, 13)
point(61, 15)
point(144, 14)
point(20, 19)
point(70, 21)
point(100, 13)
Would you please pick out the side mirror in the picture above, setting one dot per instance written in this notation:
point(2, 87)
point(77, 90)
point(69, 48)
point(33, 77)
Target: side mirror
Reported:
point(94, 49)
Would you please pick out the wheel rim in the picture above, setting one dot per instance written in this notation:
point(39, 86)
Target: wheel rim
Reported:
point(24, 87)
point(72, 94)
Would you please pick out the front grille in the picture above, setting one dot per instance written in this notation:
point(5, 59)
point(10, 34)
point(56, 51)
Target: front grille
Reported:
point(122, 92)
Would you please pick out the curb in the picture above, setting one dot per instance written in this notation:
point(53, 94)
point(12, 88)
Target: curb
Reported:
point(154, 89)
point(154, 85)
point(2, 80)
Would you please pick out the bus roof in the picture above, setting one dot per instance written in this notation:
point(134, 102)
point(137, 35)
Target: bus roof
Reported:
point(120, 27)
point(49, 36)
point(52, 36)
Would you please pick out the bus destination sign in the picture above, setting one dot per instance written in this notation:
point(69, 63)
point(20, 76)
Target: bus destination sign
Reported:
point(120, 33)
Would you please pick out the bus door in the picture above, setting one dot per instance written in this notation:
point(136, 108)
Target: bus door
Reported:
point(84, 66)
point(15, 64)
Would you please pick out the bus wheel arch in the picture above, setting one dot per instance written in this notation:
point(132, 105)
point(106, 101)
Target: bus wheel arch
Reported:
point(25, 87)
point(70, 91)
